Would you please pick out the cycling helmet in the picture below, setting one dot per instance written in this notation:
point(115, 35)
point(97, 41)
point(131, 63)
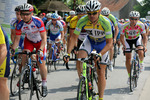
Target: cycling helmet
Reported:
point(26, 7)
point(17, 8)
point(48, 15)
point(59, 17)
point(93, 5)
point(134, 14)
point(143, 20)
point(72, 12)
point(54, 16)
point(81, 9)
point(105, 11)
point(66, 14)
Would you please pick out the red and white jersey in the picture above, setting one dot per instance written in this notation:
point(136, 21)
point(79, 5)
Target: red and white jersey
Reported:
point(32, 29)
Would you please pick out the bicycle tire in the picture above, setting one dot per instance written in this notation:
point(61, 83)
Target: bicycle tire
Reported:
point(14, 79)
point(82, 94)
point(137, 70)
point(67, 67)
point(114, 55)
point(132, 78)
point(48, 63)
point(95, 93)
point(24, 85)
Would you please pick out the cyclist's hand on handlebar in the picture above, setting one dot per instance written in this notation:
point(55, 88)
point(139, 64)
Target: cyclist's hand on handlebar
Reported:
point(145, 49)
point(40, 53)
point(99, 57)
point(66, 58)
point(12, 51)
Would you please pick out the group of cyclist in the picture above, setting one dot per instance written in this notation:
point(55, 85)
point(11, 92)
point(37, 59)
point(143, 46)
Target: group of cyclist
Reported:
point(90, 28)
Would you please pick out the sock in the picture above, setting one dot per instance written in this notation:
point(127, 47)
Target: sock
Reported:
point(141, 62)
point(44, 82)
point(129, 74)
point(100, 98)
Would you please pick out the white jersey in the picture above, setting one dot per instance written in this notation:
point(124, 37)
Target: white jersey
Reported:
point(32, 29)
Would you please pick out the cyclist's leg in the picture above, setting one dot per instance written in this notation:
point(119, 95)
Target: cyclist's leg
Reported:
point(28, 46)
point(43, 69)
point(128, 44)
point(4, 95)
point(83, 52)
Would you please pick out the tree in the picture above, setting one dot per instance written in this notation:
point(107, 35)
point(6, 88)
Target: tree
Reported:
point(143, 7)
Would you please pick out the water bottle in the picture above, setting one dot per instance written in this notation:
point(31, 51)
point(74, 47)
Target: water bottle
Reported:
point(34, 72)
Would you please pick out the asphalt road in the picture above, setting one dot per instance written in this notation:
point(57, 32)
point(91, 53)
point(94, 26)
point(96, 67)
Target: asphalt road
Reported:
point(62, 83)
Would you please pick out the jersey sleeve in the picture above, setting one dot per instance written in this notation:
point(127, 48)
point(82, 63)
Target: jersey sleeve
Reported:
point(113, 19)
point(18, 28)
point(12, 24)
point(2, 40)
point(143, 31)
point(60, 25)
point(106, 24)
point(68, 19)
point(42, 27)
point(73, 22)
point(80, 24)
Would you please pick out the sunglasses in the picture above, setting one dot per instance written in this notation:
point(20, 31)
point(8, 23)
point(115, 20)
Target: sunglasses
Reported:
point(54, 19)
point(92, 13)
point(133, 18)
point(25, 14)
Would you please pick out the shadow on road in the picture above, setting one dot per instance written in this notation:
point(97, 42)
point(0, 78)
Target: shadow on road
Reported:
point(63, 89)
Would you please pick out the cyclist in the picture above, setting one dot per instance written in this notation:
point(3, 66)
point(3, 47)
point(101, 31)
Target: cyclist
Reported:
point(106, 12)
point(99, 38)
point(35, 37)
point(71, 15)
point(65, 30)
point(132, 31)
point(118, 36)
point(55, 28)
point(48, 16)
point(13, 23)
point(4, 64)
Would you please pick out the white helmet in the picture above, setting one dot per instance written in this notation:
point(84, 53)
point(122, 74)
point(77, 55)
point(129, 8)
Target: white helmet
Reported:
point(81, 9)
point(48, 15)
point(93, 5)
point(105, 11)
point(72, 12)
point(26, 7)
point(134, 14)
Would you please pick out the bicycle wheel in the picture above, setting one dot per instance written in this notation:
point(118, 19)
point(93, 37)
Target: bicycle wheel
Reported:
point(132, 76)
point(114, 55)
point(14, 79)
point(95, 94)
point(82, 92)
point(25, 85)
point(48, 63)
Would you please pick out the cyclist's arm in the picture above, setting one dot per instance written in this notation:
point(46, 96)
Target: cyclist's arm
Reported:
point(3, 53)
point(122, 39)
point(13, 35)
point(62, 34)
point(44, 37)
point(144, 39)
point(16, 41)
point(116, 32)
point(72, 42)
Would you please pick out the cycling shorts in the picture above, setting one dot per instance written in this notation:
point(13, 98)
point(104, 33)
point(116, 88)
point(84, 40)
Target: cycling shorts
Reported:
point(29, 45)
point(5, 67)
point(88, 47)
point(129, 43)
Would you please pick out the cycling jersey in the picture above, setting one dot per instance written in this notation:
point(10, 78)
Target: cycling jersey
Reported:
point(54, 30)
point(98, 33)
point(133, 33)
point(32, 29)
point(13, 24)
point(113, 19)
point(4, 68)
point(63, 23)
